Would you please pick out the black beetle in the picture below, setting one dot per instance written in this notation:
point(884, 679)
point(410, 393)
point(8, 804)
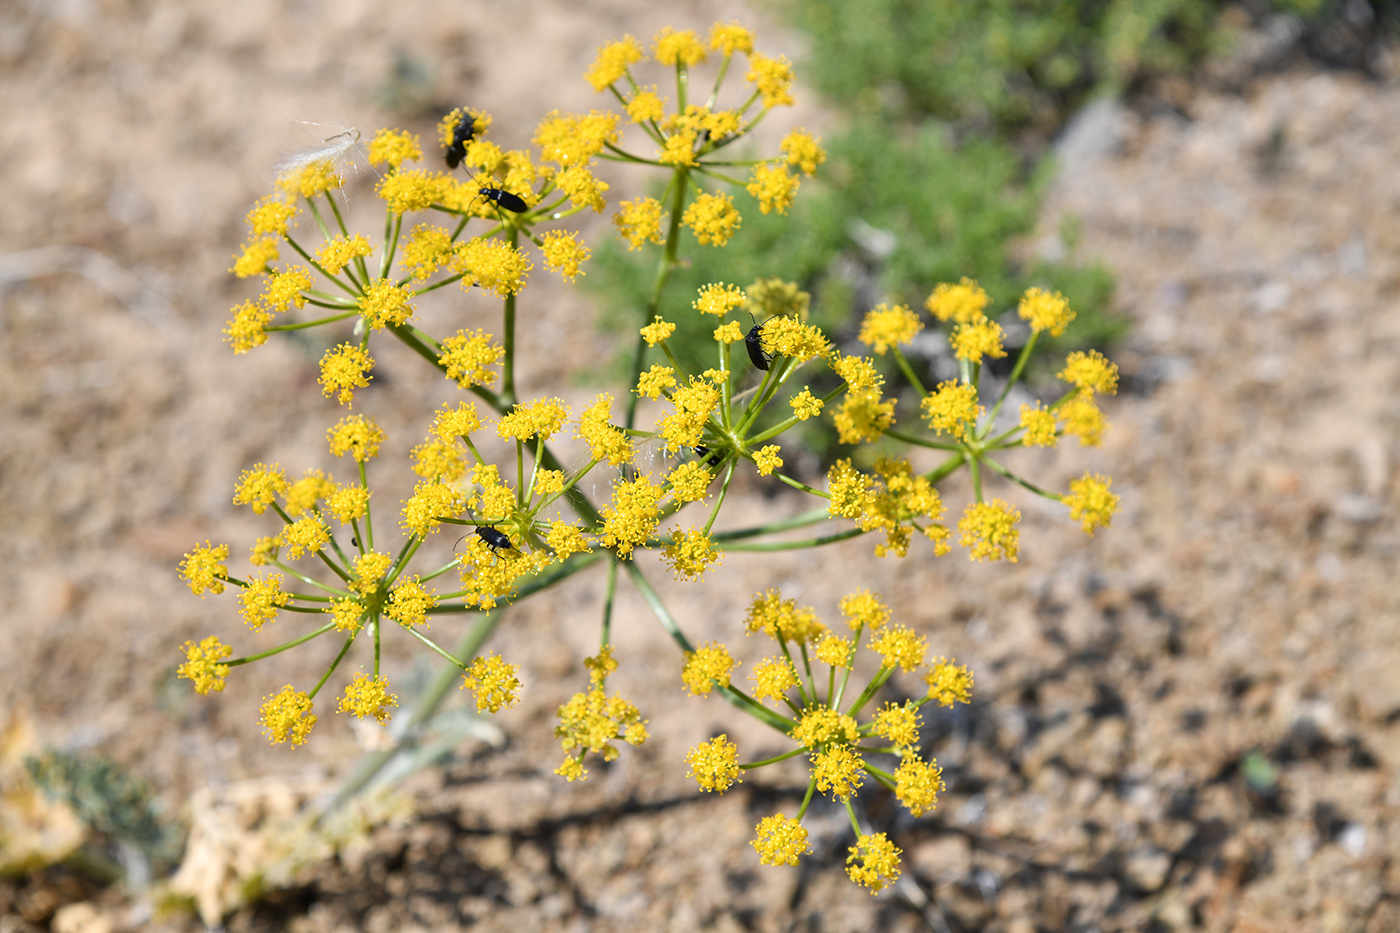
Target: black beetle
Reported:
point(493, 537)
point(462, 134)
point(753, 342)
point(503, 198)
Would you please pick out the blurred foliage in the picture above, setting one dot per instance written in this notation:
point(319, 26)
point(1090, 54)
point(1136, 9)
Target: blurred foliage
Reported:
point(947, 110)
point(109, 799)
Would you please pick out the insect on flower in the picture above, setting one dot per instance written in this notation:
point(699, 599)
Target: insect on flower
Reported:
point(503, 198)
point(462, 134)
point(493, 537)
point(753, 342)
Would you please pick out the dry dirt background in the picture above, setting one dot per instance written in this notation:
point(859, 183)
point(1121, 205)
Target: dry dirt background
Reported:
point(1244, 600)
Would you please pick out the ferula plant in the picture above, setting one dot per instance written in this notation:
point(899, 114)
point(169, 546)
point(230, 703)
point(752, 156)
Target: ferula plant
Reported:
point(336, 567)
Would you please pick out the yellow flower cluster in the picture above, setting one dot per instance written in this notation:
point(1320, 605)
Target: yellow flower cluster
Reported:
point(837, 744)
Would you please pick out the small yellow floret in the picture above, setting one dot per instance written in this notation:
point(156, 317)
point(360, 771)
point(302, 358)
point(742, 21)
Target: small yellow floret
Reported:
point(718, 299)
point(729, 38)
point(917, 785)
point(1090, 373)
point(612, 62)
point(773, 77)
point(368, 696)
point(820, 726)
point(657, 331)
point(564, 253)
point(712, 218)
point(773, 186)
point(204, 568)
point(678, 48)
point(287, 716)
point(540, 418)
point(343, 370)
point(639, 222)
point(355, 435)
point(962, 303)
point(978, 339)
point(334, 255)
point(690, 553)
point(384, 304)
point(202, 665)
point(949, 681)
point(394, 147)
point(1044, 311)
point(1090, 502)
point(1039, 425)
point(838, 771)
point(780, 840)
point(952, 408)
point(988, 530)
point(885, 327)
point(899, 724)
point(899, 646)
point(873, 862)
point(467, 354)
point(495, 683)
point(865, 610)
point(805, 405)
point(802, 150)
point(707, 667)
point(772, 677)
point(259, 487)
point(605, 441)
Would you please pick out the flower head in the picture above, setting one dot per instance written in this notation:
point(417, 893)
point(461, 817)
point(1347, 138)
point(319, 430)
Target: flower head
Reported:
point(949, 681)
point(885, 327)
point(355, 435)
point(368, 696)
point(712, 218)
point(781, 619)
point(612, 62)
point(1090, 373)
point(962, 303)
point(707, 666)
point(343, 370)
point(718, 299)
point(394, 147)
point(715, 764)
point(494, 681)
point(773, 77)
point(976, 339)
point(384, 304)
point(678, 48)
point(780, 840)
point(988, 529)
point(639, 222)
point(873, 862)
point(204, 569)
point(772, 677)
point(287, 716)
point(690, 553)
point(1039, 425)
point(202, 665)
point(1044, 311)
point(261, 599)
point(1090, 502)
point(467, 354)
point(917, 784)
point(952, 408)
point(773, 186)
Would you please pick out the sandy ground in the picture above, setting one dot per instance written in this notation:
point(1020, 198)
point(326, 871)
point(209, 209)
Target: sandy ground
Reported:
point(1243, 602)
